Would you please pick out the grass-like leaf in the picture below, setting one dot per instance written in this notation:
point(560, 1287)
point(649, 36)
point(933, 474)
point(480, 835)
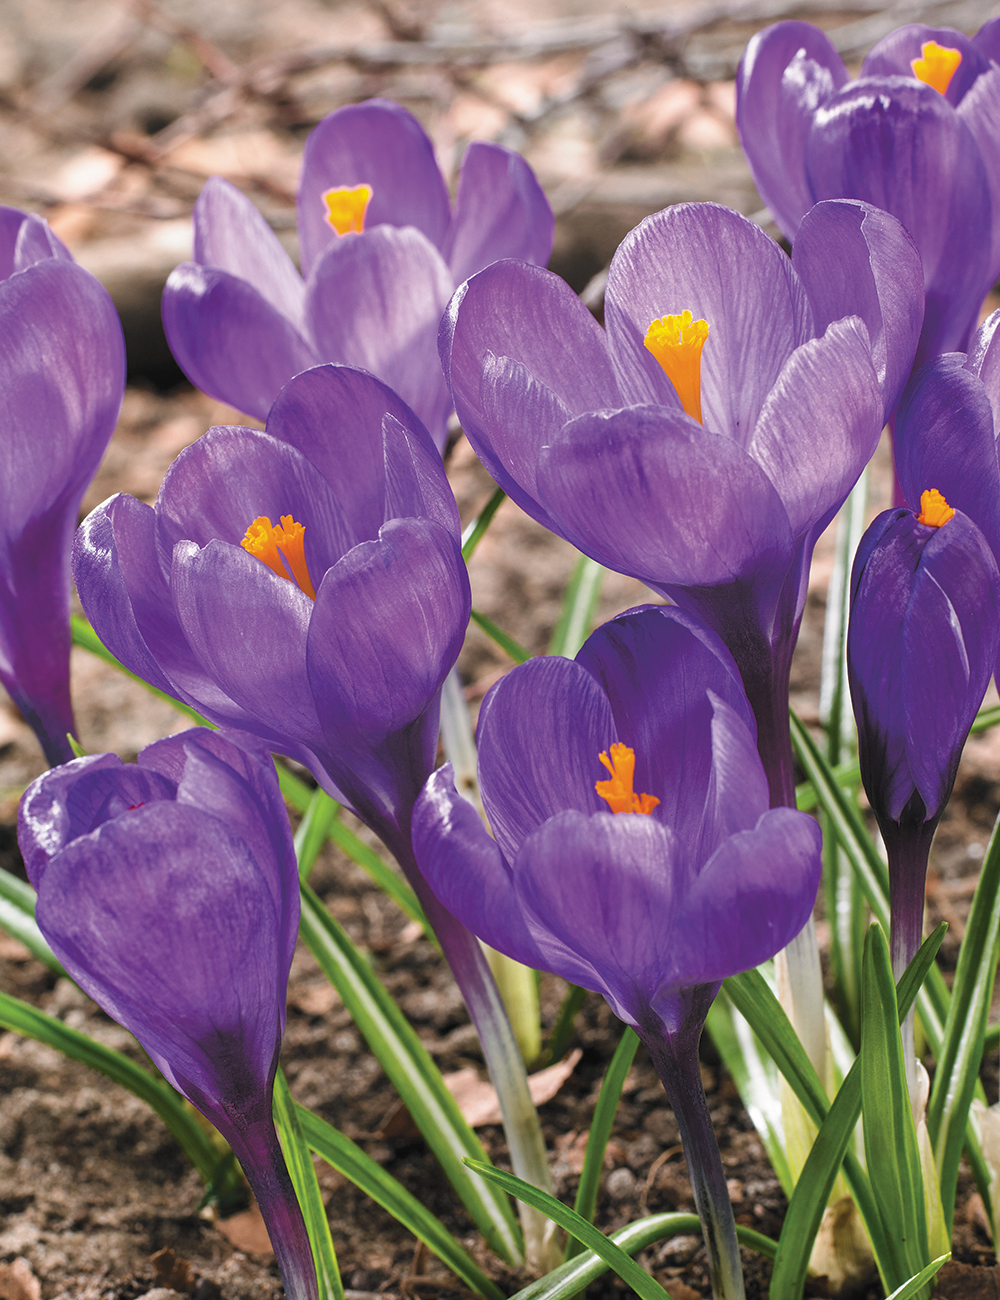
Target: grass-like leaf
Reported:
point(412, 1071)
point(627, 1269)
point(476, 531)
point(812, 1192)
point(506, 643)
point(919, 1281)
point(890, 1136)
point(600, 1130)
point(961, 1051)
point(17, 917)
point(578, 608)
point(348, 1159)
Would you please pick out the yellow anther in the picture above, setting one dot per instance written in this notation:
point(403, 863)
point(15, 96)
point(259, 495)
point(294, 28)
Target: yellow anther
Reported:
point(617, 792)
point(270, 544)
point(934, 509)
point(676, 342)
point(346, 207)
point(937, 66)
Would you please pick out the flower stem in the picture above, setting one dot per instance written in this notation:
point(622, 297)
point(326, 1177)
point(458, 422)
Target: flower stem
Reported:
point(673, 1048)
point(259, 1152)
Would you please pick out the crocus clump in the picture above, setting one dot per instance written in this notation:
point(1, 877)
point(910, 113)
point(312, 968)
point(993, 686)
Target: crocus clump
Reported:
point(915, 134)
point(634, 853)
point(62, 373)
point(704, 441)
point(922, 644)
point(382, 251)
point(169, 891)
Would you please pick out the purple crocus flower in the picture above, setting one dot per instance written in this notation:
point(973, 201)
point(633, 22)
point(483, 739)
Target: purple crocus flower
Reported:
point(326, 635)
point(169, 891)
point(915, 134)
point(922, 643)
point(382, 251)
point(694, 879)
point(946, 432)
point(62, 372)
point(706, 468)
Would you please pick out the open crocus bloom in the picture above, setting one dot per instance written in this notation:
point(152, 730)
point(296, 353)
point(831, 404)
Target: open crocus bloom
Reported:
point(169, 890)
point(634, 851)
point(915, 134)
point(382, 251)
point(634, 854)
point(62, 373)
point(922, 643)
point(327, 633)
point(717, 502)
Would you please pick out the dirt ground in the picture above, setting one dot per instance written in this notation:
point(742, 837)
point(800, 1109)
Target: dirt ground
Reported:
point(113, 114)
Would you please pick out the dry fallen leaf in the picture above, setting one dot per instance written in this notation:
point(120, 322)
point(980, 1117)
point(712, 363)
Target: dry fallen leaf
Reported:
point(477, 1099)
point(17, 1282)
point(247, 1232)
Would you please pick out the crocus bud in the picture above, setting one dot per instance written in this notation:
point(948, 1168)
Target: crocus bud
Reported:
point(169, 891)
point(921, 646)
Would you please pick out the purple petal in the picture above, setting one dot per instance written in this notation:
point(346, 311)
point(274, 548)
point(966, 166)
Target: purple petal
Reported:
point(465, 870)
point(36, 242)
point(786, 73)
point(856, 260)
point(231, 235)
point(373, 432)
point(219, 485)
point(657, 666)
point(603, 887)
point(939, 189)
point(708, 260)
point(984, 361)
point(895, 53)
point(944, 438)
point(980, 111)
point(380, 144)
point(500, 211)
point(650, 492)
point(229, 340)
point(752, 898)
point(248, 629)
point(987, 39)
point(949, 650)
point(375, 301)
point(820, 424)
point(186, 958)
point(541, 731)
point(231, 775)
point(388, 624)
point(523, 354)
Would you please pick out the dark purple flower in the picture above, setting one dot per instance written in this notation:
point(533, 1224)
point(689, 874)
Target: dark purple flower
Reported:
point(946, 431)
point(170, 892)
point(635, 853)
point(708, 479)
point(916, 134)
point(62, 373)
point(382, 252)
point(327, 635)
point(922, 643)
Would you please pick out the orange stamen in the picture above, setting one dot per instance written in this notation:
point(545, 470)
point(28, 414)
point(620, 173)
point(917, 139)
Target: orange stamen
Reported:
point(938, 65)
point(346, 207)
point(271, 545)
point(618, 792)
point(934, 509)
point(676, 342)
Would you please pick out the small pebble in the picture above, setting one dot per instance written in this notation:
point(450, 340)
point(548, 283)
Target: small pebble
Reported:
point(620, 1184)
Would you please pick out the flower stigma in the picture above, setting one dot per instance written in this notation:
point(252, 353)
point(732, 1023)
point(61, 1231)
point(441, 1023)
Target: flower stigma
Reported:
point(618, 791)
point(937, 66)
point(346, 207)
point(269, 544)
point(676, 342)
point(934, 509)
